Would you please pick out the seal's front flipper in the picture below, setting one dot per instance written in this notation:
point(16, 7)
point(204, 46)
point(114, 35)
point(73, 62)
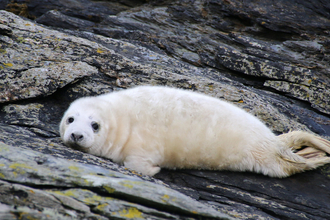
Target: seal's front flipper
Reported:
point(141, 165)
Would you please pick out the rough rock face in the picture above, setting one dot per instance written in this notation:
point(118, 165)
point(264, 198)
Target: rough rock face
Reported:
point(270, 58)
point(76, 190)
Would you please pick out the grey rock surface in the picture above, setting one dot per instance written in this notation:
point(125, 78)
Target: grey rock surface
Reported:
point(272, 59)
point(79, 181)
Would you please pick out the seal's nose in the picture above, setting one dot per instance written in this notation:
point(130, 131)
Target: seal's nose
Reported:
point(76, 137)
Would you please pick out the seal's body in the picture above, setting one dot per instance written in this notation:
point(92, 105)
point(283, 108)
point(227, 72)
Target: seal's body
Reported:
point(146, 128)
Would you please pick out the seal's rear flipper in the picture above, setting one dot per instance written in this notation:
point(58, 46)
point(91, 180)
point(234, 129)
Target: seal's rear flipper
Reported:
point(304, 151)
point(310, 152)
point(299, 139)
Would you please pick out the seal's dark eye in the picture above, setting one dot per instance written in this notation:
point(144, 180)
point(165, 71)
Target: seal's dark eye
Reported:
point(95, 126)
point(70, 120)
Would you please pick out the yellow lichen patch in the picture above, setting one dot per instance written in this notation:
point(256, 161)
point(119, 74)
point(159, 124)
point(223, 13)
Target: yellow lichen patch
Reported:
point(99, 50)
point(131, 213)
point(27, 24)
point(102, 206)
point(20, 165)
point(20, 39)
point(2, 176)
point(8, 64)
point(65, 193)
point(86, 181)
point(136, 173)
point(166, 198)
point(109, 189)
point(69, 193)
point(128, 185)
point(15, 174)
point(96, 199)
point(74, 168)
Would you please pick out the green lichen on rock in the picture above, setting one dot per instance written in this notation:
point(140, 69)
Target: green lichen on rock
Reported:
point(317, 96)
point(57, 172)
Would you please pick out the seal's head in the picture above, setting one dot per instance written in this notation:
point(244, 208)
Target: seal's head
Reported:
point(83, 126)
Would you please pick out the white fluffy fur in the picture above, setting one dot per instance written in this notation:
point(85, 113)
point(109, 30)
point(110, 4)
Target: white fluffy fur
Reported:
point(146, 128)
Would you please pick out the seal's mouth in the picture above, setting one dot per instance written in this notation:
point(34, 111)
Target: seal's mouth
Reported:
point(76, 146)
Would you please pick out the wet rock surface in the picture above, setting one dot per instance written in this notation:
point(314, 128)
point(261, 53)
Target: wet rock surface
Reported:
point(272, 59)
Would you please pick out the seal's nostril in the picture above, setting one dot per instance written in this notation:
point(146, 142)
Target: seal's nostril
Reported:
point(77, 137)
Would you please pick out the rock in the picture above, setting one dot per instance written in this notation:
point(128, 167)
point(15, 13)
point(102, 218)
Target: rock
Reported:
point(269, 59)
point(27, 167)
point(41, 81)
point(57, 19)
point(272, 59)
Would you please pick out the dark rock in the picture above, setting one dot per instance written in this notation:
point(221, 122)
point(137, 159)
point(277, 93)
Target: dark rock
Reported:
point(57, 19)
point(279, 198)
